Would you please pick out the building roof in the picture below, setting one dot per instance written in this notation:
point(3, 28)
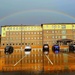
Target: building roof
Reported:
point(58, 23)
point(20, 25)
point(35, 24)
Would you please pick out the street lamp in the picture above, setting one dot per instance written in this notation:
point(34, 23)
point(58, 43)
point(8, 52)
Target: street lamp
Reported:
point(72, 48)
point(27, 50)
point(8, 50)
point(56, 49)
point(46, 49)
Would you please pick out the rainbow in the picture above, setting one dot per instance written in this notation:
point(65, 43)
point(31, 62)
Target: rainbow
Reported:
point(36, 10)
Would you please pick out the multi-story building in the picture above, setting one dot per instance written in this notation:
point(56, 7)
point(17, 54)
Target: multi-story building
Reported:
point(35, 35)
point(21, 34)
point(54, 32)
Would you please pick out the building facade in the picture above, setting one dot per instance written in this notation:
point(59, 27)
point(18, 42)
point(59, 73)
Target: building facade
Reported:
point(53, 32)
point(16, 35)
point(21, 35)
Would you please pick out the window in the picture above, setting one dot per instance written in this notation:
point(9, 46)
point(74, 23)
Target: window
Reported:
point(41, 61)
point(38, 38)
point(47, 36)
point(53, 37)
point(22, 38)
point(47, 31)
point(73, 30)
point(10, 32)
point(25, 32)
point(3, 28)
point(37, 32)
point(59, 26)
point(52, 31)
point(29, 38)
point(22, 32)
point(40, 32)
point(25, 38)
point(29, 61)
point(3, 33)
point(41, 51)
point(22, 28)
point(47, 26)
point(16, 32)
point(10, 38)
point(16, 28)
point(38, 61)
point(34, 32)
point(31, 32)
point(58, 36)
point(13, 32)
point(63, 37)
point(10, 28)
point(35, 54)
point(13, 28)
point(64, 32)
point(32, 61)
point(58, 31)
point(53, 26)
point(72, 25)
point(63, 26)
point(7, 33)
point(38, 43)
point(35, 61)
point(7, 28)
point(34, 37)
point(16, 38)
point(7, 38)
point(28, 43)
point(55, 31)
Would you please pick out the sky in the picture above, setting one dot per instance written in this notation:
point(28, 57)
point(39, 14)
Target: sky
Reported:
point(30, 12)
